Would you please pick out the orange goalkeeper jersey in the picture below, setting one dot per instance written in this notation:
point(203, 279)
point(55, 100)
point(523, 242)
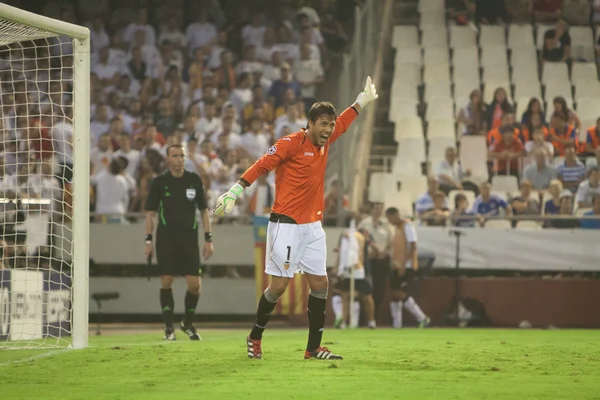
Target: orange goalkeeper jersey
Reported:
point(300, 171)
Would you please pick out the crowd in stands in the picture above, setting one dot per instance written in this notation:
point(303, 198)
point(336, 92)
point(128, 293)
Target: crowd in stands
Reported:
point(223, 80)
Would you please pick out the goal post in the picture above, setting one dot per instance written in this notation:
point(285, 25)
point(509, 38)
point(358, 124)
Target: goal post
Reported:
point(45, 71)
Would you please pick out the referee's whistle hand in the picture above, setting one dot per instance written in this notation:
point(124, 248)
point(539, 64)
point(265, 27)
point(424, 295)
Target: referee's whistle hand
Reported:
point(207, 250)
point(148, 250)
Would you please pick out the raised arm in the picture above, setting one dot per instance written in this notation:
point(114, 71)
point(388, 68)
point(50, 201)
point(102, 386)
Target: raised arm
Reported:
point(345, 119)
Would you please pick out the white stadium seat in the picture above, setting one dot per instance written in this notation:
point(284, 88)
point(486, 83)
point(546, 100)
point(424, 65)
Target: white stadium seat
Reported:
point(436, 74)
point(405, 37)
point(436, 90)
point(434, 38)
point(557, 88)
point(462, 37)
point(466, 72)
point(441, 127)
point(496, 73)
point(525, 75)
point(401, 107)
point(528, 89)
point(437, 149)
point(401, 200)
point(523, 56)
point(407, 128)
point(505, 184)
point(467, 56)
point(432, 18)
point(492, 35)
point(584, 72)
point(408, 56)
point(407, 73)
point(587, 89)
point(520, 36)
point(473, 156)
point(494, 55)
point(582, 42)
point(588, 107)
point(555, 71)
point(415, 186)
point(431, 5)
point(433, 56)
point(440, 107)
point(404, 90)
point(412, 149)
point(463, 89)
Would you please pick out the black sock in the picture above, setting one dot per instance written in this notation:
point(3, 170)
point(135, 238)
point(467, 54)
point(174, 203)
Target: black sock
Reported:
point(316, 322)
point(167, 304)
point(191, 301)
point(263, 313)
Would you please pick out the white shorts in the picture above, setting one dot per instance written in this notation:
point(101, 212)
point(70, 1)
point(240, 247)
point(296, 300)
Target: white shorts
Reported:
point(293, 248)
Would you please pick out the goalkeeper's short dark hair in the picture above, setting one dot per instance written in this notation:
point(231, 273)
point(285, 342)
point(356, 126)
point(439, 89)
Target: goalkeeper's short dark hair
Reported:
point(321, 109)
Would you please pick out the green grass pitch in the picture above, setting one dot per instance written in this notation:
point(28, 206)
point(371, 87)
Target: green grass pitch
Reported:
point(381, 364)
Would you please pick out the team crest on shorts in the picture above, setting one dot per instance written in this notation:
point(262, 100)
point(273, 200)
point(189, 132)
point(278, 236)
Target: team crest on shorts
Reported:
point(286, 265)
point(190, 194)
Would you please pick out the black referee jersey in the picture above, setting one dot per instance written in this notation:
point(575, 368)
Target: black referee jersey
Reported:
point(176, 199)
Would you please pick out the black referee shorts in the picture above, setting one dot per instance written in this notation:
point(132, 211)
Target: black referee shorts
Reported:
point(178, 252)
point(361, 286)
point(403, 283)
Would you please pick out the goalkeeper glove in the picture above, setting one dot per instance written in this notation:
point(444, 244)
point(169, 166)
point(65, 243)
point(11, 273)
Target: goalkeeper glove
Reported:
point(226, 201)
point(367, 95)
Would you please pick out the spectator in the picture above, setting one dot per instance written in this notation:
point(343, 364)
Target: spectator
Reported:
point(101, 154)
point(108, 74)
point(260, 197)
point(137, 68)
point(210, 123)
point(438, 215)
point(133, 156)
point(557, 43)
point(309, 74)
point(595, 161)
point(555, 190)
point(112, 192)
point(462, 216)
point(562, 135)
point(540, 174)
point(290, 120)
point(488, 204)
point(127, 90)
point(450, 174)
point(425, 203)
point(225, 74)
point(241, 95)
point(473, 115)
point(588, 188)
point(330, 214)
point(489, 12)
point(538, 145)
point(118, 50)
point(200, 33)
point(98, 37)
point(592, 142)
point(233, 139)
point(280, 86)
point(165, 119)
point(272, 71)
point(249, 63)
point(141, 24)
point(258, 102)
point(506, 153)
point(221, 44)
point(497, 108)
point(547, 11)
point(313, 51)
point(533, 108)
point(527, 202)
point(255, 142)
point(565, 209)
point(571, 171)
point(560, 107)
point(333, 32)
point(253, 33)
point(507, 124)
point(595, 212)
point(172, 34)
point(62, 142)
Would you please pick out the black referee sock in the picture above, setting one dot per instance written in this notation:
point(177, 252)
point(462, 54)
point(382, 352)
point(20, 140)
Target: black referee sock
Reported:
point(263, 313)
point(191, 301)
point(167, 304)
point(316, 322)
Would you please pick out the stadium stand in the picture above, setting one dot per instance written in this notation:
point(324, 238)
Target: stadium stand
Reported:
point(444, 65)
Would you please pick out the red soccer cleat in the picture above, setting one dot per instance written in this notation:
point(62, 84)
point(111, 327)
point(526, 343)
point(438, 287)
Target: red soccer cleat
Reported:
point(322, 353)
point(254, 348)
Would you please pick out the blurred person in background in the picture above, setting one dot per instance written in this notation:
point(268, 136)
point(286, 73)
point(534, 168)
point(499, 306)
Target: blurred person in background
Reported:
point(450, 174)
point(291, 119)
point(425, 203)
point(404, 265)
point(462, 216)
point(588, 188)
point(506, 153)
point(330, 213)
point(101, 154)
point(143, 177)
point(378, 233)
point(555, 189)
point(255, 142)
point(595, 212)
point(278, 89)
point(557, 43)
point(473, 116)
point(12, 213)
point(112, 193)
point(568, 115)
point(565, 209)
point(527, 202)
point(540, 173)
point(507, 124)
point(309, 74)
point(497, 108)
point(259, 197)
point(438, 215)
point(62, 142)
point(592, 141)
point(547, 11)
point(125, 150)
point(538, 144)
point(488, 204)
point(571, 171)
point(534, 108)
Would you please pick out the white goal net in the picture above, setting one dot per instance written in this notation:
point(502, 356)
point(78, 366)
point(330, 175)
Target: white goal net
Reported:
point(44, 123)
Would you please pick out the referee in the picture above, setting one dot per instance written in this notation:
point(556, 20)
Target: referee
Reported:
point(173, 199)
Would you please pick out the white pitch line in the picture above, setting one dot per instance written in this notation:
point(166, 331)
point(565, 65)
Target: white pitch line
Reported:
point(33, 358)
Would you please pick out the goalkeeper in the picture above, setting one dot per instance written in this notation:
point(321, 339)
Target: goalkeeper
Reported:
point(295, 236)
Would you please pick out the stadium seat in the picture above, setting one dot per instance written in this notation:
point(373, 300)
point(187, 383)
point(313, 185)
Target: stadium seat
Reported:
point(492, 35)
point(462, 37)
point(520, 36)
point(462, 90)
point(490, 88)
point(528, 90)
point(407, 73)
point(584, 72)
point(587, 89)
point(404, 90)
point(401, 200)
point(414, 186)
point(431, 5)
point(529, 225)
point(408, 128)
point(437, 149)
point(497, 224)
point(469, 194)
point(494, 55)
point(440, 107)
point(525, 75)
point(496, 73)
point(465, 56)
point(557, 88)
point(436, 74)
point(405, 37)
point(582, 42)
point(466, 73)
point(408, 56)
point(524, 57)
point(588, 107)
point(434, 38)
point(436, 90)
point(505, 184)
point(377, 186)
point(401, 107)
point(434, 56)
point(558, 71)
point(473, 156)
point(432, 18)
point(441, 127)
